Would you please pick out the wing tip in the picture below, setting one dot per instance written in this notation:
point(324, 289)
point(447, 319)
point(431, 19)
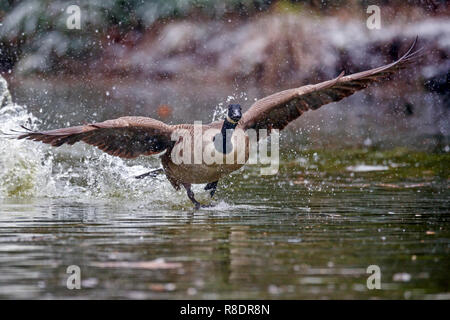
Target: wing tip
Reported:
point(27, 129)
point(17, 134)
point(410, 53)
point(339, 77)
point(412, 46)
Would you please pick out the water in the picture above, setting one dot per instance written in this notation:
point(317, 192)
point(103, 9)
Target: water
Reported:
point(309, 232)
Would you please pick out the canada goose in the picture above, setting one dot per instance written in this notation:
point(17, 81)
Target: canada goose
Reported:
point(130, 137)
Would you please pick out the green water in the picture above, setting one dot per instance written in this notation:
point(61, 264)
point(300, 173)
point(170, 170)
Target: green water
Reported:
point(309, 232)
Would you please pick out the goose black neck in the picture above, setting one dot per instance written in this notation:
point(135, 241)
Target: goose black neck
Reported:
point(228, 125)
point(226, 139)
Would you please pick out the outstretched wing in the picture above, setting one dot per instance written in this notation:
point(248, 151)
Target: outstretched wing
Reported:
point(277, 110)
point(126, 137)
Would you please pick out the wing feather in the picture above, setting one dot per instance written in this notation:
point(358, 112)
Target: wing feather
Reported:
point(126, 137)
point(278, 110)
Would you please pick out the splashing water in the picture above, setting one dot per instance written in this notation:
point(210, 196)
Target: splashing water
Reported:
point(20, 166)
point(220, 112)
point(34, 170)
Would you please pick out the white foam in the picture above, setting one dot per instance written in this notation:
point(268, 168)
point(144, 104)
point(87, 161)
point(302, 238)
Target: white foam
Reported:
point(31, 169)
point(366, 168)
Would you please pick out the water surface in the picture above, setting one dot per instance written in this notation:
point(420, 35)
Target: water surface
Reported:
point(309, 232)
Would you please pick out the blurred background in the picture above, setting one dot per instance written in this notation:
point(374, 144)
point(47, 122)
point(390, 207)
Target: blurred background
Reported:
point(183, 60)
point(362, 182)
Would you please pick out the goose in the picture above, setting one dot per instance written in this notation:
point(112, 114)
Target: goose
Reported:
point(133, 136)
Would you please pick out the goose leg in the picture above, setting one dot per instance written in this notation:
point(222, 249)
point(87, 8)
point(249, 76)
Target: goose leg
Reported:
point(152, 173)
point(190, 194)
point(212, 186)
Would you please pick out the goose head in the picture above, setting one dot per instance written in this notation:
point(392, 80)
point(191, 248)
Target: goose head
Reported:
point(234, 113)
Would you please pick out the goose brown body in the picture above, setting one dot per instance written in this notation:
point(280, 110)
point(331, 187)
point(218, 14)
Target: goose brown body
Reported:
point(130, 137)
point(191, 173)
